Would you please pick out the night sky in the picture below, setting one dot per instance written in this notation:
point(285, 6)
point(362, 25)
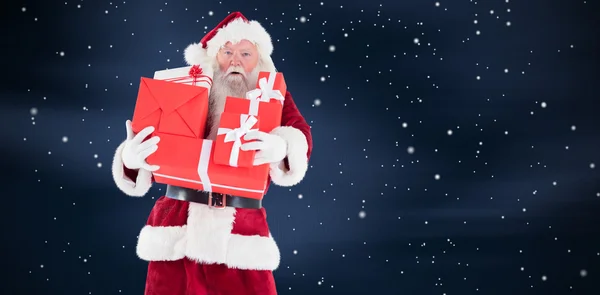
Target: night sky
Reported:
point(455, 143)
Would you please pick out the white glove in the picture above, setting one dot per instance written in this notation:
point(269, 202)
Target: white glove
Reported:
point(270, 148)
point(135, 151)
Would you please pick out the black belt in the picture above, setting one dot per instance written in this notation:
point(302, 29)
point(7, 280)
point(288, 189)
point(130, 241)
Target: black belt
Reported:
point(215, 200)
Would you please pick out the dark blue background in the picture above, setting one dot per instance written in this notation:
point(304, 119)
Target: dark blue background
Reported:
point(494, 223)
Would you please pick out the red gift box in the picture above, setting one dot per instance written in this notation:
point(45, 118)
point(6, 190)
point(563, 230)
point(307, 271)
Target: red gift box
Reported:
point(232, 129)
point(270, 85)
point(266, 101)
point(190, 164)
point(171, 108)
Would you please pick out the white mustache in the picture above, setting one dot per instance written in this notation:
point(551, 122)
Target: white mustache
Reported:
point(237, 69)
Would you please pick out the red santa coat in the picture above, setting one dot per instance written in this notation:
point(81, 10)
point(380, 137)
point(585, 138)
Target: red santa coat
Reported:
point(239, 238)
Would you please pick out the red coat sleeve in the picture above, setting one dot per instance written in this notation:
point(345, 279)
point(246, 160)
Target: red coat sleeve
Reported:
point(296, 132)
point(133, 174)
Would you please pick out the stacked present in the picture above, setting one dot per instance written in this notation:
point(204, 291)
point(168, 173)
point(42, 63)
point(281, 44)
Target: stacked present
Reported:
point(176, 103)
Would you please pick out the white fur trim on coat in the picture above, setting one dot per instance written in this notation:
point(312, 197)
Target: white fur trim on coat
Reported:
point(233, 32)
point(297, 149)
point(209, 232)
point(207, 238)
point(161, 243)
point(142, 183)
point(253, 252)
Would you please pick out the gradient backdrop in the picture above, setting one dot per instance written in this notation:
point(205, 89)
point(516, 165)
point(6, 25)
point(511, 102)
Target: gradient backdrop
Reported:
point(514, 208)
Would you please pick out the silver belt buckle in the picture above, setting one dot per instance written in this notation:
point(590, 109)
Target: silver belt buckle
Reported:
point(210, 202)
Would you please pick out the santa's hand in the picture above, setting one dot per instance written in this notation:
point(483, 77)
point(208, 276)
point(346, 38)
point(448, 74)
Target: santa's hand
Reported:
point(135, 151)
point(270, 148)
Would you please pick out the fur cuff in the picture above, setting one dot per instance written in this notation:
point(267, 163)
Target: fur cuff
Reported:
point(297, 158)
point(142, 183)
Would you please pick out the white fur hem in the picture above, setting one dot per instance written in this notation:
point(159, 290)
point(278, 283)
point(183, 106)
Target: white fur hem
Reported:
point(142, 183)
point(253, 252)
point(297, 149)
point(207, 238)
point(233, 32)
point(161, 243)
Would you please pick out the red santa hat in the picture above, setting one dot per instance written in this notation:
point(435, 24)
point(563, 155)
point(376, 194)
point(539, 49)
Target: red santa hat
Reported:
point(234, 28)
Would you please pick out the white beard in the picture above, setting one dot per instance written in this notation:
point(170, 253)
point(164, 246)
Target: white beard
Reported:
point(226, 85)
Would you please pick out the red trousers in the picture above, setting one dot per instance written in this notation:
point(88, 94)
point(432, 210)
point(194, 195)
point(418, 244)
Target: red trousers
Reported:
point(186, 277)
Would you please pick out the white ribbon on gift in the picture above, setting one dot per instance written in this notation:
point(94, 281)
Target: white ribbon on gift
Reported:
point(235, 135)
point(264, 93)
point(203, 165)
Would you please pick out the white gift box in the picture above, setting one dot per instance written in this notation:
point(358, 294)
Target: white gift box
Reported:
point(190, 75)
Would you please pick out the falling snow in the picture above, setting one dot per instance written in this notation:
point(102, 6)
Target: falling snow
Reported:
point(451, 78)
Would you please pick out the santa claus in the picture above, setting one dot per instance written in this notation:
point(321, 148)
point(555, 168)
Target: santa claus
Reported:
point(198, 242)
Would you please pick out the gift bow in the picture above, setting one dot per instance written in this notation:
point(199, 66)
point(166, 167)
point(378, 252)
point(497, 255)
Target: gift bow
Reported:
point(235, 135)
point(195, 72)
point(265, 91)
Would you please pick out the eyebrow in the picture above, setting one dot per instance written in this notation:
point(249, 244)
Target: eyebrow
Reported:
point(241, 49)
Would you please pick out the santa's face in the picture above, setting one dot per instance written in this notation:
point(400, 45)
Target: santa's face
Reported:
point(237, 69)
point(242, 57)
